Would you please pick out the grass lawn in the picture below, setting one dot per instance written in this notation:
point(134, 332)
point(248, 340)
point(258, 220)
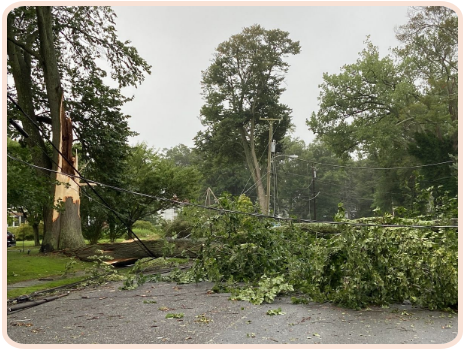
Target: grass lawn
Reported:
point(22, 266)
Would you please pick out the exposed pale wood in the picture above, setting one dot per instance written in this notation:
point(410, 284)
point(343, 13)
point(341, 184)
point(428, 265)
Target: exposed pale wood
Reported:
point(66, 226)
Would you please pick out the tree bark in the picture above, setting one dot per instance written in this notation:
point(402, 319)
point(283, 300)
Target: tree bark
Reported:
point(20, 65)
point(66, 223)
point(134, 250)
point(35, 229)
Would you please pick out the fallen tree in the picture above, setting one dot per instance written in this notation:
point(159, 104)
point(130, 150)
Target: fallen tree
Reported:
point(134, 250)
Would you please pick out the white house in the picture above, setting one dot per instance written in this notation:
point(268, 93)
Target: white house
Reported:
point(169, 214)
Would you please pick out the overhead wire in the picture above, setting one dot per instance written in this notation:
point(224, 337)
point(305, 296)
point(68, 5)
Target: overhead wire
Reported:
point(197, 205)
point(252, 186)
point(369, 168)
point(260, 215)
point(260, 159)
point(333, 183)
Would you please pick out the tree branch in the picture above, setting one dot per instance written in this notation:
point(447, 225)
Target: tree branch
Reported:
point(25, 48)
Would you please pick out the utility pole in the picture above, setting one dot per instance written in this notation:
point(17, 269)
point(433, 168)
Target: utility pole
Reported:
point(310, 193)
point(269, 161)
point(274, 172)
point(314, 176)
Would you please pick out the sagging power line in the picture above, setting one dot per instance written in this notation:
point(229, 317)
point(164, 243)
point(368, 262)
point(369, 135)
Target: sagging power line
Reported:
point(259, 215)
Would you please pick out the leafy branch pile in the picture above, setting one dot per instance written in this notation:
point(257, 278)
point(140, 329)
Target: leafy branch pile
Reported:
point(357, 267)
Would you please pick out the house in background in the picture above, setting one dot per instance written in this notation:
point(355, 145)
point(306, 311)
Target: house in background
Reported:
point(169, 214)
point(16, 217)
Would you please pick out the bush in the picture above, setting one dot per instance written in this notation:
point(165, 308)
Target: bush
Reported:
point(180, 226)
point(25, 231)
point(93, 230)
point(145, 225)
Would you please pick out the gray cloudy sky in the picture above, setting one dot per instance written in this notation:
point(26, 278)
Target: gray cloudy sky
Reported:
point(179, 43)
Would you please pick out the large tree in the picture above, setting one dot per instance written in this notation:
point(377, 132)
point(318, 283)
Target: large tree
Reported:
point(363, 107)
point(430, 54)
point(241, 88)
point(53, 53)
point(399, 110)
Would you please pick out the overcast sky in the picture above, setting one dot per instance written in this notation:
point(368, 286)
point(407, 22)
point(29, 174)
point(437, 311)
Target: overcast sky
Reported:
point(179, 43)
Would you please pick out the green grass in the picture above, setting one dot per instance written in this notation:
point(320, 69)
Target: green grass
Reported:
point(39, 287)
point(22, 266)
point(146, 234)
point(28, 244)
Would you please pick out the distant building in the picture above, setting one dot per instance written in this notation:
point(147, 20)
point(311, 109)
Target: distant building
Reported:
point(169, 214)
point(17, 218)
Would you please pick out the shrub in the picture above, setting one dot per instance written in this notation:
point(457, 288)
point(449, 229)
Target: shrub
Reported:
point(145, 225)
point(93, 230)
point(25, 231)
point(180, 226)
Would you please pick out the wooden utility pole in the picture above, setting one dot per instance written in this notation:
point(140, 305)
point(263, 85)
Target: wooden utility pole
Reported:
point(314, 176)
point(269, 161)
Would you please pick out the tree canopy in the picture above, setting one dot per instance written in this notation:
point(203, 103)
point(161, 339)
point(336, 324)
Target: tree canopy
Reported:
point(148, 173)
point(399, 110)
point(241, 88)
point(62, 50)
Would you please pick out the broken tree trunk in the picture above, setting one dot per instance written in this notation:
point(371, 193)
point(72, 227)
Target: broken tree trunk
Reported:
point(63, 227)
point(133, 250)
point(66, 220)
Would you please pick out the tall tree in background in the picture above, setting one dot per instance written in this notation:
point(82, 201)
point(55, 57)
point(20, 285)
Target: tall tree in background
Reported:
point(241, 87)
point(430, 54)
point(53, 52)
point(362, 108)
point(399, 110)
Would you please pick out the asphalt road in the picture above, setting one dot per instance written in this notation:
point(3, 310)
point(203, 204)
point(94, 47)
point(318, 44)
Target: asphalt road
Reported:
point(107, 315)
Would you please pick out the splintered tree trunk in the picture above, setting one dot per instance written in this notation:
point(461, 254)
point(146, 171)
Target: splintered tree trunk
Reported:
point(66, 221)
point(63, 227)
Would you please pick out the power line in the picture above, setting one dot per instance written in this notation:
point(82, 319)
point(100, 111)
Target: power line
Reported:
point(339, 184)
point(370, 168)
point(252, 186)
point(259, 215)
